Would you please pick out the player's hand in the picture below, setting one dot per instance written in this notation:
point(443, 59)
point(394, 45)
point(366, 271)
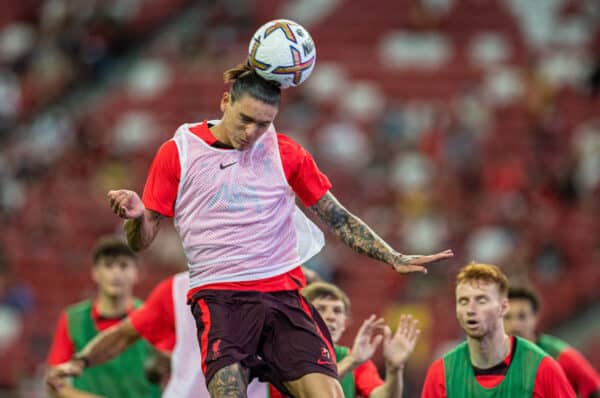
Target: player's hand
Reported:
point(398, 347)
point(367, 339)
point(57, 376)
point(406, 263)
point(126, 203)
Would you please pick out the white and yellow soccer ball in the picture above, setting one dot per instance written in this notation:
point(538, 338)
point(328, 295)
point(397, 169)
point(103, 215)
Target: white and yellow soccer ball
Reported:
point(282, 51)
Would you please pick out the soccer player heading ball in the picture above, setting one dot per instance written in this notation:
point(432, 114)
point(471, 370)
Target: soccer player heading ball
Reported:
point(230, 186)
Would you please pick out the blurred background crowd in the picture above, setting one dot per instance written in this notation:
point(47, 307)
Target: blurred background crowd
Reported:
point(464, 124)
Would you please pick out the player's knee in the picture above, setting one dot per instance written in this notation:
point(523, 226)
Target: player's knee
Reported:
point(315, 385)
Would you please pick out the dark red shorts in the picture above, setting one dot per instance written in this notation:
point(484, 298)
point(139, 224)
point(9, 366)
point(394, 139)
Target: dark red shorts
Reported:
point(279, 336)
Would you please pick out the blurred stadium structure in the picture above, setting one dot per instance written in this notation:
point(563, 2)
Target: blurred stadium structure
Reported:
point(469, 124)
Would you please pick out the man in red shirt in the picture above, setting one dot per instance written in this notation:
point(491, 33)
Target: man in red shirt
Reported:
point(115, 272)
point(230, 186)
point(522, 319)
point(491, 363)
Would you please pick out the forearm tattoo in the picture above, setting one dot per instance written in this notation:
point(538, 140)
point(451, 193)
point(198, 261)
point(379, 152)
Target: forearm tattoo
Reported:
point(229, 382)
point(133, 231)
point(352, 230)
point(141, 231)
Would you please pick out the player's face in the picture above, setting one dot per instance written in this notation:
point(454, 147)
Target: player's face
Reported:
point(479, 308)
point(245, 120)
point(333, 313)
point(115, 276)
point(520, 320)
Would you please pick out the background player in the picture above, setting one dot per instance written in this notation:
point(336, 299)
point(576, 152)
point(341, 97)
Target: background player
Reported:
point(115, 272)
point(357, 372)
point(522, 320)
point(490, 361)
point(164, 321)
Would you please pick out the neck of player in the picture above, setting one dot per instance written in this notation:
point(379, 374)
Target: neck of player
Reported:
point(113, 306)
point(219, 132)
point(489, 350)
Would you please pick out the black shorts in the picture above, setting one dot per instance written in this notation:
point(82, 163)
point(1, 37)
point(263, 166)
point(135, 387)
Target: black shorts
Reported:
point(279, 336)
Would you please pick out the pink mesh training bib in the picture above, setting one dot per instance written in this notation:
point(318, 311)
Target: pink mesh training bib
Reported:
point(235, 212)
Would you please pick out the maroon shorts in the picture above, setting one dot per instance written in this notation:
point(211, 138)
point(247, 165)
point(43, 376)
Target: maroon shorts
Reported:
point(279, 336)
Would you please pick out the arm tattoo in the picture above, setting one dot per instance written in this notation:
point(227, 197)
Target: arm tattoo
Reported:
point(352, 230)
point(229, 382)
point(141, 231)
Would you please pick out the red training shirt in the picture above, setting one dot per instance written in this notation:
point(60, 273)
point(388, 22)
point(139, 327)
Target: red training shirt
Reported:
point(582, 375)
point(301, 172)
point(366, 379)
point(155, 320)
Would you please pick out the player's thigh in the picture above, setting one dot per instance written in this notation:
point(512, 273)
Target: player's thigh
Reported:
point(315, 385)
point(294, 343)
point(229, 382)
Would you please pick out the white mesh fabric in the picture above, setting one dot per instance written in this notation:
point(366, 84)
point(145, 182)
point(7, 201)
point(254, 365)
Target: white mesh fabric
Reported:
point(236, 214)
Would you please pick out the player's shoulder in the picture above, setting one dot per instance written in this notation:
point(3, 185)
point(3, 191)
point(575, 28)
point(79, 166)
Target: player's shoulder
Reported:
point(549, 365)
point(286, 140)
point(168, 145)
point(290, 147)
point(79, 307)
point(165, 286)
point(436, 374)
point(530, 347)
point(437, 364)
point(549, 340)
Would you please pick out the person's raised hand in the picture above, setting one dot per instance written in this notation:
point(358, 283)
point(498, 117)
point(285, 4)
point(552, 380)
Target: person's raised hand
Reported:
point(126, 204)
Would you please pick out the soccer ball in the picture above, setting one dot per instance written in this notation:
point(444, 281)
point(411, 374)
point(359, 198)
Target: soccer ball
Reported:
point(282, 51)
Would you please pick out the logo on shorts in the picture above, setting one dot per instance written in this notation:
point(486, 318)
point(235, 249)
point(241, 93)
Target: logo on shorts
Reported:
point(215, 349)
point(325, 358)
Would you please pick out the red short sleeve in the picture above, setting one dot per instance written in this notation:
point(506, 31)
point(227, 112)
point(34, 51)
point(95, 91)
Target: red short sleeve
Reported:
point(581, 374)
point(160, 191)
point(62, 348)
point(550, 381)
point(301, 171)
point(366, 379)
point(155, 320)
point(435, 382)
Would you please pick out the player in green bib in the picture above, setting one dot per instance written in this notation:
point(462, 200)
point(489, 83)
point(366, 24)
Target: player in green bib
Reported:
point(522, 320)
point(491, 363)
point(115, 273)
point(357, 373)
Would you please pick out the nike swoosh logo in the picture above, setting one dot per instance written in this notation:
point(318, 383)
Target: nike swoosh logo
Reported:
point(224, 166)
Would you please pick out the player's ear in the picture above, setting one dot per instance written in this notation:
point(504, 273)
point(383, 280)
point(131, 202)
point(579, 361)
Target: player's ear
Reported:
point(225, 101)
point(504, 306)
point(347, 321)
point(94, 273)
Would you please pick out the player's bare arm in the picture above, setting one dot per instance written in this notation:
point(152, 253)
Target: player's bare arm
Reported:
point(360, 237)
point(104, 347)
point(142, 225)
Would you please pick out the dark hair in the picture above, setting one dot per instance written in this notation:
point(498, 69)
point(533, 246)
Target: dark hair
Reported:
point(525, 292)
point(245, 80)
point(112, 246)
